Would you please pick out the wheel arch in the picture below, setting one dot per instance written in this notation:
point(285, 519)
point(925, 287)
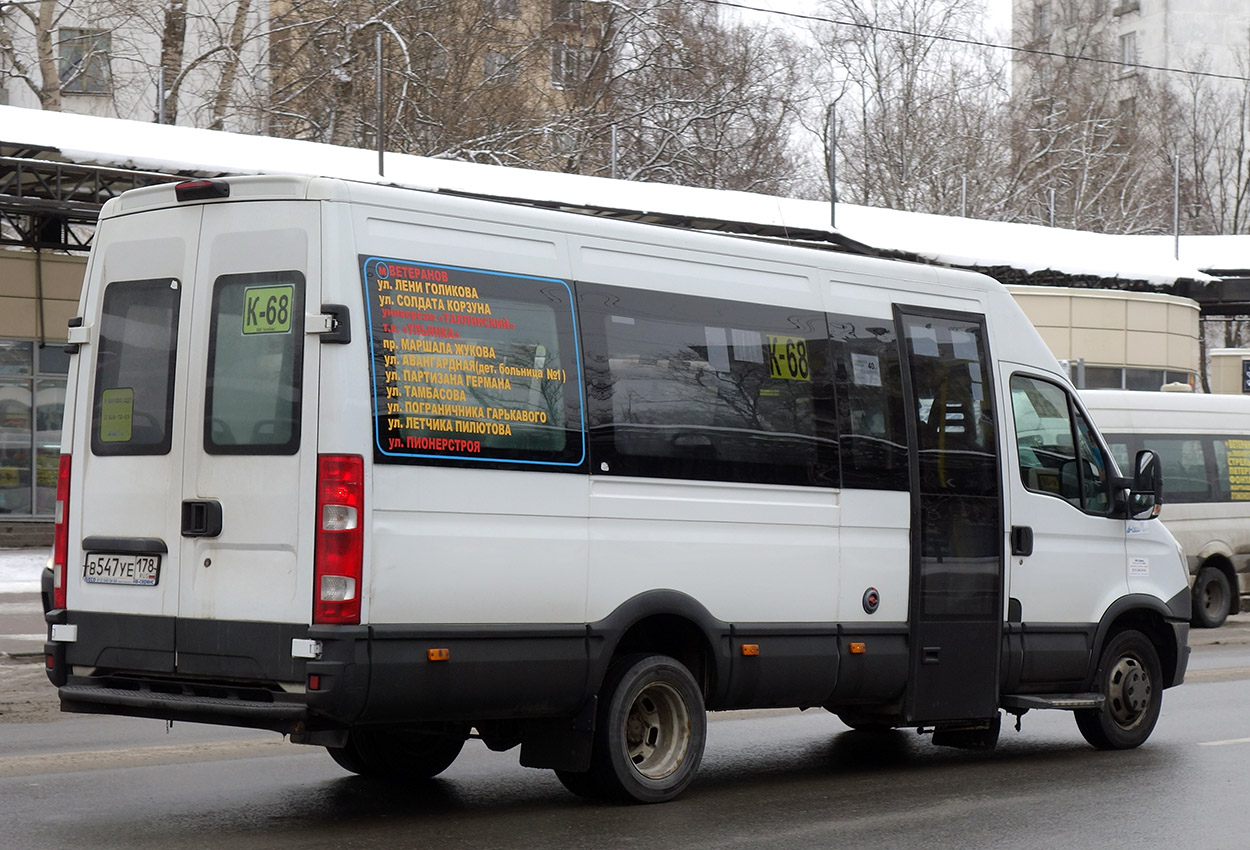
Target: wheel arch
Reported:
point(1157, 620)
point(664, 622)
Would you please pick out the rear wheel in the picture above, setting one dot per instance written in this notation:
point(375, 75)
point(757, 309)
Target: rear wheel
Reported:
point(1131, 679)
point(1211, 597)
point(649, 735)
point(411, 752)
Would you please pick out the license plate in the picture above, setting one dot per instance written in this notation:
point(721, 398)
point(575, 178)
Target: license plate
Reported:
point(141, 570)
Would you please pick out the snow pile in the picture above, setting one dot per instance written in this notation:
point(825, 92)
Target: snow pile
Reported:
point(20, 569)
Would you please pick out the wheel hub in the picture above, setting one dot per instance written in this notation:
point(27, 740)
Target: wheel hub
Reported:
point(1130, 691)
point(657, 731)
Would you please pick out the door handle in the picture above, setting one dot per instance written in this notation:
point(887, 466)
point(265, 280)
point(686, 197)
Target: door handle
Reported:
point(201, 518)
point(1021, 540)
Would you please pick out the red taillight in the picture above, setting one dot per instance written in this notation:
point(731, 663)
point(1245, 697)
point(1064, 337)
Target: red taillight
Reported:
point(340, 539)
point(60, 535)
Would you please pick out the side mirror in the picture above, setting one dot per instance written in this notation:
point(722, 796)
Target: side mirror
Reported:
point(1147, 490)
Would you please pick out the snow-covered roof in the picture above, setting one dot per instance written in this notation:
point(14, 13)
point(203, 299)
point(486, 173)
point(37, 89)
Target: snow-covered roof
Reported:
point(944, 239)
point(1209, 253)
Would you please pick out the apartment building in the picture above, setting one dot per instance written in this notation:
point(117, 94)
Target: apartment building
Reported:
point(115, 58)
point(1196, 35)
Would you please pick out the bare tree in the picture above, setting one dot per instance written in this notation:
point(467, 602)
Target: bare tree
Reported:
point(918, 117)
point(38, 20)
point(707, 103)
point(1088, 148)
point(544, 85)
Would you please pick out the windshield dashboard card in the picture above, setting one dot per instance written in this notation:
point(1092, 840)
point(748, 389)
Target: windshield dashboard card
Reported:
point(134, 570)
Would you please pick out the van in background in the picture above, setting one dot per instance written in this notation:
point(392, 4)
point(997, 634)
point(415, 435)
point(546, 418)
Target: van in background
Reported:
point(1203, 441)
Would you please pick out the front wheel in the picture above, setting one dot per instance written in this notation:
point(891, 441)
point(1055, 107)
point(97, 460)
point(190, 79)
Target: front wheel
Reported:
point(1211, 597)
point(1131, 680)
point(406, 753)
point(650, 733)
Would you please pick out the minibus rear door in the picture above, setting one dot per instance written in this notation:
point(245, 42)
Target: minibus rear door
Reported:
point(247, 501)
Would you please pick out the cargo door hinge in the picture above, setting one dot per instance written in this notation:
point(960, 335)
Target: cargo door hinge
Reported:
point(78, 334)
point(332, 324)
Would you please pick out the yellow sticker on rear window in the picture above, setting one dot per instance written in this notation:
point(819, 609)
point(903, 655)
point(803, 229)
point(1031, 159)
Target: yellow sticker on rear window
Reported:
point(267, 309)
point(117, 415)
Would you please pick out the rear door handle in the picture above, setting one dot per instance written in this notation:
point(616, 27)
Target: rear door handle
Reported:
point(201, 518)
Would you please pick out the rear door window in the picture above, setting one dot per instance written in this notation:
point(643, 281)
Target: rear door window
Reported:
point(132, 405)
point(255, 360)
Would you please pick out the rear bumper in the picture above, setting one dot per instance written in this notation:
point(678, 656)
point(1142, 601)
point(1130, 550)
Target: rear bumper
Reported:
point(230, 673)
point(87, 697)
point(244, 674)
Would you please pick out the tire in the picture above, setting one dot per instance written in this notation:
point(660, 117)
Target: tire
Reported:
point(1212, 596)
point(584, 785)
point(404, 753)
point(649, 733)
point(1131, 679)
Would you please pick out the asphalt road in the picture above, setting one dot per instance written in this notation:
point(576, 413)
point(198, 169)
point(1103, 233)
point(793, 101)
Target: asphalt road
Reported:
point(770, 780)
point(778, 779)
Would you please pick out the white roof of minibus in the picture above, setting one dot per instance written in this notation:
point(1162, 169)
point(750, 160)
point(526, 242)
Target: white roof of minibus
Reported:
point(1119, 411)
point(277, 187)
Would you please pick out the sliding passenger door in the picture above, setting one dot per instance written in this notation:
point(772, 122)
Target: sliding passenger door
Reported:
point(956, 537)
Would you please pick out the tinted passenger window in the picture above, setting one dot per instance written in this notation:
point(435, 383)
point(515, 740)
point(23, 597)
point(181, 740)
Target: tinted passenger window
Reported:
point(686, 387)
point(955, 433)
point(132, 405)
point(1184, 467)
point(872, 423)
point(255, 362)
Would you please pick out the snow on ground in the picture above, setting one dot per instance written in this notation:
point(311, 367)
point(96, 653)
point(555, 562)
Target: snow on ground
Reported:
point(20, 569)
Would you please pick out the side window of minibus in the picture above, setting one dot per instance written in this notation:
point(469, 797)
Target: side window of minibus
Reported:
point(1118, 444)
point(1055, 443)
point(872, 420)
point(1185, 467)
point(1222, 480)
point(710, 389)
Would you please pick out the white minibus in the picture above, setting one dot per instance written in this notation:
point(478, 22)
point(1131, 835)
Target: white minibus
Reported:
point(1203, 444)
point(385, 470)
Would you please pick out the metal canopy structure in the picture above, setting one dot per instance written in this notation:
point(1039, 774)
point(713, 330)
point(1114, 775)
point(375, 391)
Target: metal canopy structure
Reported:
point(47, 203)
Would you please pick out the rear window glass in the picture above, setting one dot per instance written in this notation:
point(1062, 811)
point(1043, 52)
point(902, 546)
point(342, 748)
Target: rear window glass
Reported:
point(132, 405)
point(471, 366)
point(255, 360)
